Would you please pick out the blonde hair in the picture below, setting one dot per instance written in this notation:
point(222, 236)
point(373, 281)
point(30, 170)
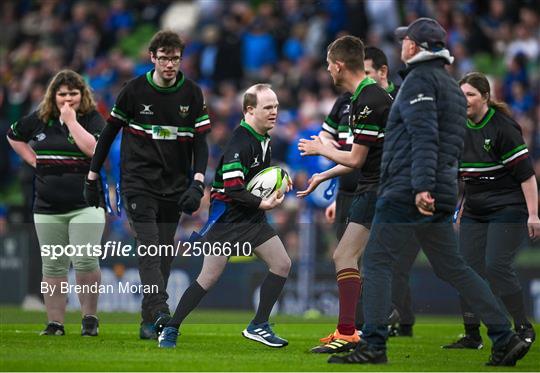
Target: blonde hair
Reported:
point(48, 109)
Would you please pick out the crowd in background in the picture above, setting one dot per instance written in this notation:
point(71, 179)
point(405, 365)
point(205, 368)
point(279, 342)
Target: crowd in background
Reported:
point(232, 44)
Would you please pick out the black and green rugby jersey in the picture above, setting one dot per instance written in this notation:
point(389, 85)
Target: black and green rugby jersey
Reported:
point(370, 105)
point(337, 124)
point(392, 89)
point(246, 154)
point(494, 163)
point(159, 126)
point(60, 165)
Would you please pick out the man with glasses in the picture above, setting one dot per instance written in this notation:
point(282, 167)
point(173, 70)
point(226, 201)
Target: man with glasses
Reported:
point(164, 157)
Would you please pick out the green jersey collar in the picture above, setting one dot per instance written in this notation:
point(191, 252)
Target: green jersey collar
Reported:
point(391, 87)
point(365, 82)
point(257, 135)
point(483, 122)
point(179, 82)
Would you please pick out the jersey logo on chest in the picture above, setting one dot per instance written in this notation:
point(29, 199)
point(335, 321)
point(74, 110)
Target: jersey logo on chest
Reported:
point(365, 112)
point(40, 136)
point(164, 132)
point(146, 110)
point(488, 145)
point(255, 162)
point(183, 111)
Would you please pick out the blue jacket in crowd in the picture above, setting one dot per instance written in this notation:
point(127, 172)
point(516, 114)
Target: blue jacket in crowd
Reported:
point(424, 134)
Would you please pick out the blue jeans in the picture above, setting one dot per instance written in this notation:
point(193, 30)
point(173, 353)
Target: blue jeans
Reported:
point(399, 227)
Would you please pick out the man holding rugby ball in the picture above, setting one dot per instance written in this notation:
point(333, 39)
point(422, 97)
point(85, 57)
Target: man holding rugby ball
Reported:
point(237, 217)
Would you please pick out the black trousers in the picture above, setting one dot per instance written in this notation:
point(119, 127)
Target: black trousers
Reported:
point(154, 222)
point(489, 244)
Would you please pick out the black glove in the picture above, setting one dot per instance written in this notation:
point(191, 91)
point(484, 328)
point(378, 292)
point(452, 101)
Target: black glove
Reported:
point(191, 199)
point(91, 192)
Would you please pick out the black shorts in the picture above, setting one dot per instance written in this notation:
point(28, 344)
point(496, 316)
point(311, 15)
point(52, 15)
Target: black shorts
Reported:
point(363, 209)
point(240, 226)
point(344, 201)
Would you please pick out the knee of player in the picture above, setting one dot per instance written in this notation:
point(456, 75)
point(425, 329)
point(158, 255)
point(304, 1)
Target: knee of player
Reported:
point(51, 269)
point(86, 264)
point(338, 255)
point(282, 267)
point(287, 263)
point(207, 280)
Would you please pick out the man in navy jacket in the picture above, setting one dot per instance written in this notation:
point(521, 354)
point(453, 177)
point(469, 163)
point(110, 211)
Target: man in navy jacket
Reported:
point(418, 194)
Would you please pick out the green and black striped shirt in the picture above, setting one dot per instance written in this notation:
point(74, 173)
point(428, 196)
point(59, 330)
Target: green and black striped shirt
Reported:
point(494, 163)
point(60, 165)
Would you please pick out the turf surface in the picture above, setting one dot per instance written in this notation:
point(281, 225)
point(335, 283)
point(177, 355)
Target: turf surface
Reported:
point(211, 341)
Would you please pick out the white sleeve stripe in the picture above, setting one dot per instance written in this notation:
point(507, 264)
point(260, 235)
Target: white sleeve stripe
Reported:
point(203, 123)
point(113, 114)
point(326, 127)
point(232, 175)
point(518, 154)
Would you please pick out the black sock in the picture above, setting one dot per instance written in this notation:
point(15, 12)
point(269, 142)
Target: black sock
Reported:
point(270, 291)
point(516, 308)
point(470, 321)
point(473, 330)
point(188, 302)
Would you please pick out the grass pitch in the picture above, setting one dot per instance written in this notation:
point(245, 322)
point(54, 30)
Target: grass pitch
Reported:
point(211, 341)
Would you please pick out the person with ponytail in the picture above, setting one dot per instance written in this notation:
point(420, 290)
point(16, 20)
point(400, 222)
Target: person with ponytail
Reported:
point(500, 206)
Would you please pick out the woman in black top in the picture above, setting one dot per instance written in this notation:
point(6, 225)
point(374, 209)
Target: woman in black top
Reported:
point(500, 206)
point(58, 139)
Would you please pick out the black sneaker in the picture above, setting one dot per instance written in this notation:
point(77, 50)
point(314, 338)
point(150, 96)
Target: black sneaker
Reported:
point(466, 341)
point(90, 326)
point(508, 355)
point(53, 328)
point(393, 323)
point(361, 355)
point(405, 330)
point(147, 331)
point(526, 332)
point(397, 330)
point(161, 322)
point(394, 317)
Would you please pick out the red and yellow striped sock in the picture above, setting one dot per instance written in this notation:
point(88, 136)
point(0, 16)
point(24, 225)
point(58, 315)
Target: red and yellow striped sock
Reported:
point(349, 286)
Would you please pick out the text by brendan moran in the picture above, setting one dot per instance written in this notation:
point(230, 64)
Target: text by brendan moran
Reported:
point(122, 288)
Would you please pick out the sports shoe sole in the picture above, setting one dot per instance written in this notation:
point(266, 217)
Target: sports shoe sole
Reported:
point(260, 339)
point(334, 347)
point(86, 333)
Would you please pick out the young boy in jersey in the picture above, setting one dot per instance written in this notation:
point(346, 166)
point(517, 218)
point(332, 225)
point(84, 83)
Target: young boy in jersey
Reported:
point(237, 216)
point(164, 156)
point(369, 109)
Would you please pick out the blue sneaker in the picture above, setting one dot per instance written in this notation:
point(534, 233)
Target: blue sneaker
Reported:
point(147, 331)
point(161, 322)
point(167, 337)
point(264, 334)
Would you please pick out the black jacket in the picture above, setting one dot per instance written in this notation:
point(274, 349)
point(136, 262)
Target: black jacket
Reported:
point(424, 136)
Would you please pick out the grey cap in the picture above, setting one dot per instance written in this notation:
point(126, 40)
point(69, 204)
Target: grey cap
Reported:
point(426, 32)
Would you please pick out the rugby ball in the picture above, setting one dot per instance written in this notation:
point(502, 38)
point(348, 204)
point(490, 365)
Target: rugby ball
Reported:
point(268, 181)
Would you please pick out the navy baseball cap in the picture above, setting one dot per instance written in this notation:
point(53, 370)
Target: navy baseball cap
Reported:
point(426, 32)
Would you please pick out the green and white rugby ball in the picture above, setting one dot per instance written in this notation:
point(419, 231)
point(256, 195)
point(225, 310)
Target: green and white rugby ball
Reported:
point(268, 181)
